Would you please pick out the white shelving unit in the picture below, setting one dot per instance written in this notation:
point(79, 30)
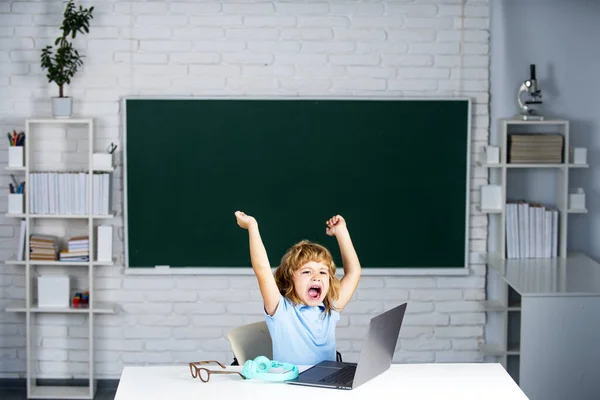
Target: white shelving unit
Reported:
point(499, 175)
point(28, 305)
point(527, 293)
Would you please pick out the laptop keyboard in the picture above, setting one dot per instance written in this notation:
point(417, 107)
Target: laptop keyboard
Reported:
point(343, 376)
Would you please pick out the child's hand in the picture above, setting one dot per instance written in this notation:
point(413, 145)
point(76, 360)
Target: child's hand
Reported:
point(335, 225)
point(245, 221)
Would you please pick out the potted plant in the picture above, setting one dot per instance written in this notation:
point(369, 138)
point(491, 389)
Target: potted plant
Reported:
point(63, 64)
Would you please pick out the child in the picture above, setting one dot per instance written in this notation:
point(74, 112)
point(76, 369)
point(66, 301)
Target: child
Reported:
point(303, 300)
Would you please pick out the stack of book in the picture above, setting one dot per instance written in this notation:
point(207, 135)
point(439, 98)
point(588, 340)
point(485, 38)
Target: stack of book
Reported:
point(78, 249)
point(531, 230)
point(43, 247)
point(66, 193)
point(535, 149)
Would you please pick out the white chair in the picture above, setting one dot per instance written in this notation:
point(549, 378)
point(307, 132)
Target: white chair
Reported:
point(250, 341)
point(253, 340)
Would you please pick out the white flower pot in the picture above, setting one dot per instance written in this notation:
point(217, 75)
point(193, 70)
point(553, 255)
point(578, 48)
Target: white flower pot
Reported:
point(62, 107)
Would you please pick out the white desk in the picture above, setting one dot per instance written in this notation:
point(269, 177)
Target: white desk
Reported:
point(401, 381)
point(548, 334)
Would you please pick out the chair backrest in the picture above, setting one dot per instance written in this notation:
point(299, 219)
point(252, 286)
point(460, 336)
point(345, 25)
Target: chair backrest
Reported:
point(250, 341)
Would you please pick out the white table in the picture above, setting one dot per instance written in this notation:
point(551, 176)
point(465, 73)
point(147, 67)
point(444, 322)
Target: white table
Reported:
point(401, 381)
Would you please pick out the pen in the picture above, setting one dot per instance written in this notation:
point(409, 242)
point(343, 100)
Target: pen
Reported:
point(11, 188)
point(10, 143)
point(14, 179)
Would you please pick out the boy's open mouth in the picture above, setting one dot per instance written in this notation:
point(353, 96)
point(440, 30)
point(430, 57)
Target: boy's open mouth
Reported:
point(314, 292)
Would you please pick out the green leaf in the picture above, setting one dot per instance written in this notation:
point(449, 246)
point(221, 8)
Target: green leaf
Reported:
point(62, 65)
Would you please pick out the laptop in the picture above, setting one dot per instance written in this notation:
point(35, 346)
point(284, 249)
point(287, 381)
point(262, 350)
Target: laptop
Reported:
point(375, 357)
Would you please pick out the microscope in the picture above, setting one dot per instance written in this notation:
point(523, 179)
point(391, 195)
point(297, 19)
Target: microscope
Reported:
point(530, 88)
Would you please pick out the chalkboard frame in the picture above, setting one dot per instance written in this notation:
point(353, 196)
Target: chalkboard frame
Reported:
point(224, 270)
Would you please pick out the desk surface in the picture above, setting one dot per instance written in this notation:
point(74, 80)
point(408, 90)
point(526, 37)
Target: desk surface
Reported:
point(576, 275)
point(401, 381)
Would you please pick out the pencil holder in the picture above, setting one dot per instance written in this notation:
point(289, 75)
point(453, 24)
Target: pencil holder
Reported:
point(102, 161)
point(15, 203)
point(15, 156)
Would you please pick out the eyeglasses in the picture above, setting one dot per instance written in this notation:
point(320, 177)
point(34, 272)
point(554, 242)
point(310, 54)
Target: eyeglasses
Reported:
point(204, 374)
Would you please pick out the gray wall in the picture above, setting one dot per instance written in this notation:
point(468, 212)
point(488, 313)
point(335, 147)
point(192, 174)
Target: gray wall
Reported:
point(562, 38)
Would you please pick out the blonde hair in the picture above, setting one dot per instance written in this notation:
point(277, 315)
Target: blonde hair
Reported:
point(298, 255)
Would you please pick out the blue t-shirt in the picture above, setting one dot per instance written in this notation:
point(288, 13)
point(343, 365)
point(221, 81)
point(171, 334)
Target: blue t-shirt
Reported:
point(301, 334)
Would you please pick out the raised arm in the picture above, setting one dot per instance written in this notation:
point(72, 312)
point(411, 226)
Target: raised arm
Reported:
point(260, 263)
point(336, 226)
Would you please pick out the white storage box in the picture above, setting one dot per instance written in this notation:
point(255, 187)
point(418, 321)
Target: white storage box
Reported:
point(578, 155)
point(577, 199)
point(53, 291)
point(491, 197)
point(492, 155)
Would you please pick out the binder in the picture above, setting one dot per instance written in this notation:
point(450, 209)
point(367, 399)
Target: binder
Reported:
point(22, 236)
point(104, 251)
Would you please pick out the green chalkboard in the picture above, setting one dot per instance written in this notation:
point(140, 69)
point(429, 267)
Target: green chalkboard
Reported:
point(397, 170)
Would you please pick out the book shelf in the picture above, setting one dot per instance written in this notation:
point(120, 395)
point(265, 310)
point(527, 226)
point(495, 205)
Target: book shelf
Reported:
point(500, 174)
point(525, 292)
point(47, 142)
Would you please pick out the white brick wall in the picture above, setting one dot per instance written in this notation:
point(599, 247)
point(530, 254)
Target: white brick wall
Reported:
point(366, 48)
